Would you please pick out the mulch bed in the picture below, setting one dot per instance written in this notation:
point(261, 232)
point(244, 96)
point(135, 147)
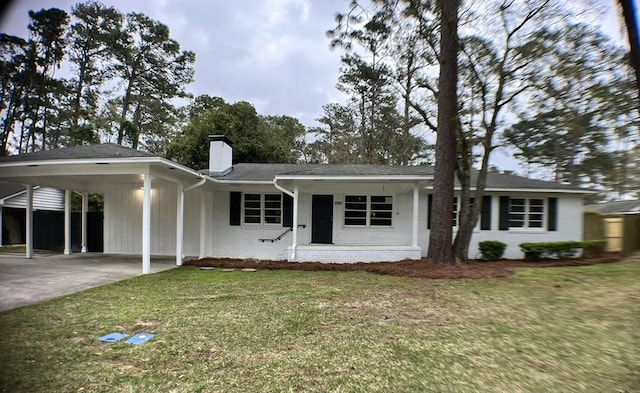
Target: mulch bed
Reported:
point(409, 268)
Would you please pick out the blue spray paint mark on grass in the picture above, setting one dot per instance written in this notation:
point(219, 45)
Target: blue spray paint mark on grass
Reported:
point(112, 337)
point(140, 338)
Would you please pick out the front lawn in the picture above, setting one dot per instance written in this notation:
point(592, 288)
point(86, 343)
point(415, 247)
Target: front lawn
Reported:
point(570, 329)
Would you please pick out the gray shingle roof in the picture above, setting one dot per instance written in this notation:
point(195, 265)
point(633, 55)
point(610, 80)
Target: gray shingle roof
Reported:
point(107, 150)
point(8, 188)
point(267, 172)
point(632, 206)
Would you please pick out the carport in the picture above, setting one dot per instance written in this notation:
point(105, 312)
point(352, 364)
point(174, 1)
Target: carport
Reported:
point(97, 168)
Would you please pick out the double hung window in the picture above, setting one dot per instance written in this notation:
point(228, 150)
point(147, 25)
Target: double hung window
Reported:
point(262, 209)
point(526, 213)
point(364, 210)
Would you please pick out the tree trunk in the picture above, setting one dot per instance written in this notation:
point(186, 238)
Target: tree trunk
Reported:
point(125, 109)
point(440, 247)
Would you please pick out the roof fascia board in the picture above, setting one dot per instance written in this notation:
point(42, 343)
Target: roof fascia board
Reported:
point(527, 190)
point(355, 178)
point(222, 181)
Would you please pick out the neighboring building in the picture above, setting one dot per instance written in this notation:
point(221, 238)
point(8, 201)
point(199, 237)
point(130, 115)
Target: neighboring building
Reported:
point(616, 207)
point(13, 201)
point(298, 212)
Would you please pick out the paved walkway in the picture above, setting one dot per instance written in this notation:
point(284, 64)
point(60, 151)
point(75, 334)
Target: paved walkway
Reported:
point(27, 281)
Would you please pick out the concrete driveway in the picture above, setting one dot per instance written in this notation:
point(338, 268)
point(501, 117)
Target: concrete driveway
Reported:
point(27, 281)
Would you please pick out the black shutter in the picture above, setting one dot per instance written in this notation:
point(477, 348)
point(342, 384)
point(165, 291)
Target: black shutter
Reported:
point(504, 213)
point(485, 217)
point(287, 211)
point(429, 203)
point(552, 223)
point(235, 206)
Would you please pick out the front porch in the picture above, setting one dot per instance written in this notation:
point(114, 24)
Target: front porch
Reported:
point(351, 253)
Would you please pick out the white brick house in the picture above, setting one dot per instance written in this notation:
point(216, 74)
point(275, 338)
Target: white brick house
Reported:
point(298, 212)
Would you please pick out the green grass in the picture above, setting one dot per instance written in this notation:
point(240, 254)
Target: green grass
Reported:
point(574, 329)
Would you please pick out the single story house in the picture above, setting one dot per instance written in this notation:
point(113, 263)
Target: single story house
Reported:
point(297, 212)
point(13, 202)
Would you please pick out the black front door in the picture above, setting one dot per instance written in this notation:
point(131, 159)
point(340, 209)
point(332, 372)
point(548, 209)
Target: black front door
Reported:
point(322, 219)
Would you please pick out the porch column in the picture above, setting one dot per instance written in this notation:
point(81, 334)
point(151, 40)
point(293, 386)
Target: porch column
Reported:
point(146, 225)
point(67, 222)
point(203, 224)
point(416, 202)
point(294, 241)
point(29, 222)
point(179, 223)
point(85, 209)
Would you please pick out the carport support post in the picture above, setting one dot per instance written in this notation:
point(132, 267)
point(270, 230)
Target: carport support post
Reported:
point(146, 225)
point(67, 222)
point(179, 224)
point(416, 201)
point(29, 221)
point(85, 209)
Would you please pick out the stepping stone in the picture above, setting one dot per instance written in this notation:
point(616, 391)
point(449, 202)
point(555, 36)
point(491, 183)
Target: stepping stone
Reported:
point(227, 270)
point(249, 269)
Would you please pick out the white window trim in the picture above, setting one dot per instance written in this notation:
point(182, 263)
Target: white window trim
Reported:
point(368, 211)
point(526, 228)
point(262, 210)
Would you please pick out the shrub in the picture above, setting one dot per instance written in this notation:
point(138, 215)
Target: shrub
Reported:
point(566, 249)
point(593, 248)
point(492, 249)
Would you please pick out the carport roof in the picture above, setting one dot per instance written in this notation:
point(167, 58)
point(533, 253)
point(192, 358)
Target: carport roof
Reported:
point(92, 168)
point(106, 150)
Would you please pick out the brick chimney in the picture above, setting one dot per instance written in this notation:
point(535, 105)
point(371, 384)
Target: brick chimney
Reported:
point(220, 154)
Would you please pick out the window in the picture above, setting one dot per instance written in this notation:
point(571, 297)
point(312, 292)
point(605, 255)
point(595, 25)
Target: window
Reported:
point(456, 209)
point(355, 210)
point(262, 209)
point(361, 210)
point(526, 213)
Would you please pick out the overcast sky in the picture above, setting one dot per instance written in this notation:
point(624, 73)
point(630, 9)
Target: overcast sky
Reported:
point(271, 53)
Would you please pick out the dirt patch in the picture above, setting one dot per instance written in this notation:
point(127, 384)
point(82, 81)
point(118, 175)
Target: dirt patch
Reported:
point(409, 268)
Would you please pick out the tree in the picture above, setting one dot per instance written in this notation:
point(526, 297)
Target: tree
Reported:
point(13, 51)
point(44, 55)
point(582, 120)
point(153, 71)
point(255, 138)
point(440, 249)
point(91, 39)
point(374, 132)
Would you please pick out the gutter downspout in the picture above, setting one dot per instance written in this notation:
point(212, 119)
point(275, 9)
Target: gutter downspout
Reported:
point(293, 195)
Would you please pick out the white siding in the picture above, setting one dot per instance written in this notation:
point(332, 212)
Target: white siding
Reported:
point(123, 230)
point(569, 226)
point(44, 198)
point(243, 241)
point(123, 220)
